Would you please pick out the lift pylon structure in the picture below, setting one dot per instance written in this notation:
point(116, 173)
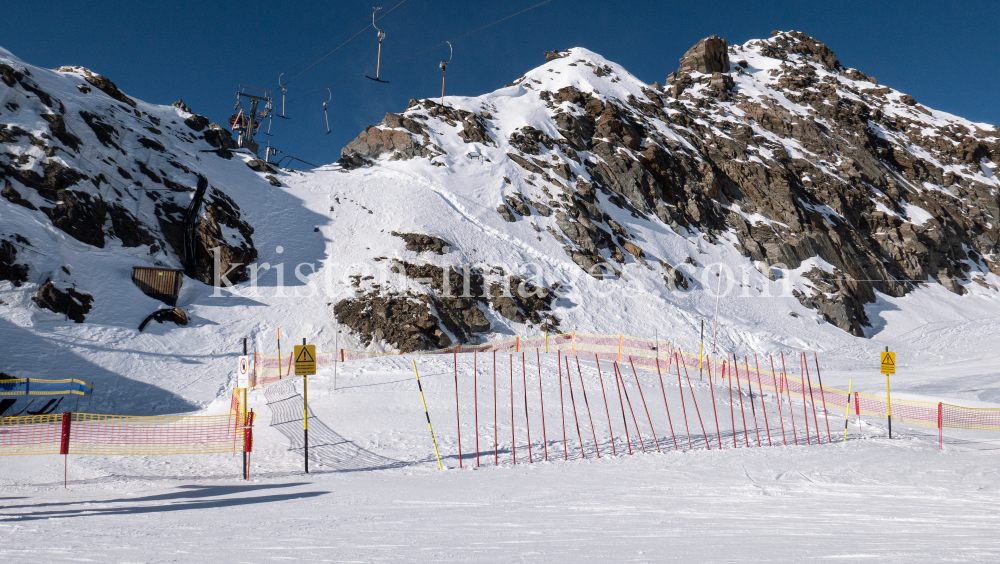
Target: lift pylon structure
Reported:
point(248, 121)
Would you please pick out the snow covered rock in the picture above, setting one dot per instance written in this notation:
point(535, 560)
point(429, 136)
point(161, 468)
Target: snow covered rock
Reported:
point(79, 154)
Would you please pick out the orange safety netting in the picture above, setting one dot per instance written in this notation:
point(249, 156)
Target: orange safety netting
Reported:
point(646, 353)
point(88, 433)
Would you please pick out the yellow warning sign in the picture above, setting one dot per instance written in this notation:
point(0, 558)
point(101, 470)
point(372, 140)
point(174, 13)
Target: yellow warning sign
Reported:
point(305, 360)
point(888, 362)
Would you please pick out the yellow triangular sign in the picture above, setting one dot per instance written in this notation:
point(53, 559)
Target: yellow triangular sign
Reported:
point(304, 356)
point(888, 362)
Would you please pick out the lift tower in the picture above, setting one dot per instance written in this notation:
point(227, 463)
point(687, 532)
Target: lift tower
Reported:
point(248, 121)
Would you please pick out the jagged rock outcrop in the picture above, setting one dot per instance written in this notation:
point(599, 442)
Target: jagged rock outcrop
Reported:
point(418, 242)
point(75, 305)
point(708, 56)
point(10, 270)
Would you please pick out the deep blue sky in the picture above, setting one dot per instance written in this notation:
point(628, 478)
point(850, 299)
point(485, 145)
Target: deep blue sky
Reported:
point(942, 53)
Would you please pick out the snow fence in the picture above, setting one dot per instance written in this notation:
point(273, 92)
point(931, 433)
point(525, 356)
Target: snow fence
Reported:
point(647, 354)
point(97, 434)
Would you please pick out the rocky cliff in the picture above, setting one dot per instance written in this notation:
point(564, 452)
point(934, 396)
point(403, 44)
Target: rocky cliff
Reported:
point(772, 147)
point(79, 155)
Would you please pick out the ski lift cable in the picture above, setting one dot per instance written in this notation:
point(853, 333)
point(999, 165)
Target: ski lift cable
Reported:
point(316, 52)
point(421, 52)
point(353, 37)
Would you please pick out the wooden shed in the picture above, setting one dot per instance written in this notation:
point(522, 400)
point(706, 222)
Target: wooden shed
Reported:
point(161, 283)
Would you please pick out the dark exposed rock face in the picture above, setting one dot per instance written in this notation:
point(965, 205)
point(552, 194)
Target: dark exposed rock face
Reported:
point(9, 269)
point(404, 138)
point(196, 122)
point(101, 83)
point(258, 165)
point(181, 105)
point(405, 322)
point(825, 204)
point(70, 302)
point(219, 137)
point(418, 242)
point(210, 245)
point(707, 56)
point(420, 321)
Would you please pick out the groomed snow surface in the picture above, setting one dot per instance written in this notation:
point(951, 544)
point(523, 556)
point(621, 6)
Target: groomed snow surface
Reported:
point(375, 494)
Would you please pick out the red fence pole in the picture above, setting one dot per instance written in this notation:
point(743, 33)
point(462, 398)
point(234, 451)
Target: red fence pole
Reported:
point(940, 426)
point(630, 410)
point(788, 393)
point(760, 389)
point(67, 419)
point(698, 411)
point(739, 388)
point(857, 409)
point(643, 398)
point(777, 395)
point(513, 442)
point(628, 441)
point(541, 400)
point(812, 399)
point(562, 405)
point(711, 387)
point(458, 421)
point(805, 408)
point(600, 378)
point(572, 401)
point(527, 422)
point(680, 388)
point(475, 399)
point(664, 392)
point(822, 396)
point(586, 403)
point(753, 408)
point(732, 414)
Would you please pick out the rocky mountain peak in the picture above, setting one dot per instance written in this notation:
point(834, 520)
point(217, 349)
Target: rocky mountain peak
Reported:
point(709, 55)
point(799, 163)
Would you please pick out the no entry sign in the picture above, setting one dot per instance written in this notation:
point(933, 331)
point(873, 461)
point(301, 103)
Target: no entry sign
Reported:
point(243, 373)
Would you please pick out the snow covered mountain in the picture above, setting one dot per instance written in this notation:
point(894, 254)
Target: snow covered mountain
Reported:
point(827, 202)
point(773, 147)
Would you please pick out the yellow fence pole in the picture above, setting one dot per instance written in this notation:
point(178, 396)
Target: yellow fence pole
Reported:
point(433, 440)
point(847, 412)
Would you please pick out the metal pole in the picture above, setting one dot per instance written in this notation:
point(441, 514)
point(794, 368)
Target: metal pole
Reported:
point(245, 468)
point(718, 295)
point(305, 415)
point(888, 401)
point(428, 415)
point(701, 350)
